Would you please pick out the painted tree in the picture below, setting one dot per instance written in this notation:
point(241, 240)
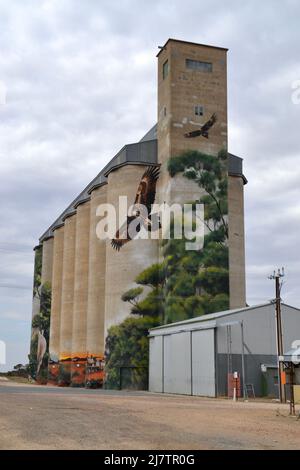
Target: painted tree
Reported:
point(197, 282)
point(127, 344)
point(188, 283)
point(127, 348)
point(36, 300)
point(41, 323)
point(152, 304)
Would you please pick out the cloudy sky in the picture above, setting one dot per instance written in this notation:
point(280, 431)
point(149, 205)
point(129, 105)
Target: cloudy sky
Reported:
point(80, 82)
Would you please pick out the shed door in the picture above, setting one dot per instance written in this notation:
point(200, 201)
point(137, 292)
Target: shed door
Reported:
point(203, 363)
point(155, 364)
point(177, 363)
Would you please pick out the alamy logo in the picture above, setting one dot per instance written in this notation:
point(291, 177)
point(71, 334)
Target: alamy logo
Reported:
point(162, 222)
point(296, 354)
point(296, 92)
point(2, 353)
point(2, 93)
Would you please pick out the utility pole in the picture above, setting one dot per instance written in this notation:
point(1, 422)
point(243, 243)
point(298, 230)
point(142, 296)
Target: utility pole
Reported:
point(277, 276)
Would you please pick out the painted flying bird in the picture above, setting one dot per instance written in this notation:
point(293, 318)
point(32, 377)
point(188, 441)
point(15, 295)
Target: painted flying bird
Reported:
point(41, 350)
point(204, 129)
point(145, 196)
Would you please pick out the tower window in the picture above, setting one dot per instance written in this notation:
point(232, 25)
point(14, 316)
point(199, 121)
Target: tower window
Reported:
point(199, 111)
point(165, 69)
point(198, 65)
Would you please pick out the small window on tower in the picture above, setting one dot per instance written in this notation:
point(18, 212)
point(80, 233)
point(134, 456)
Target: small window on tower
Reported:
point(165, 69)
point(199, 111)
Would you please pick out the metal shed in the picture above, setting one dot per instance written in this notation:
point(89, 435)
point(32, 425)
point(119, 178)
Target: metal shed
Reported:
point(194, 357)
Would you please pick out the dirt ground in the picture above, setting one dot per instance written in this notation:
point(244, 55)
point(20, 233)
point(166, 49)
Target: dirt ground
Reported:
point(33, 417)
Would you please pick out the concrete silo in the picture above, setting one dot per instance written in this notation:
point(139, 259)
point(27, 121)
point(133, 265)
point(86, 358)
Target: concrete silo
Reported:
point(89, 276)
point(67, 301)
point(95, 340)
point(47, 264)
point(57, 273)
point(123, 266)
point(81, 273)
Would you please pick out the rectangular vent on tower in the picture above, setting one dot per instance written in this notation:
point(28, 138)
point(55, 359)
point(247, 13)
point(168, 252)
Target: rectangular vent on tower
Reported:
point(198, 65)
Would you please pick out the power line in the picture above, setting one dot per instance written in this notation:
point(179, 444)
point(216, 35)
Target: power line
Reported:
point(15, 247)
point(14, 244)
point(5, 250)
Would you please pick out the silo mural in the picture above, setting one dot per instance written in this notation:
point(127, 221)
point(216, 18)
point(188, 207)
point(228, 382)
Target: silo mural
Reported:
point(107, 293)
point(39, 349)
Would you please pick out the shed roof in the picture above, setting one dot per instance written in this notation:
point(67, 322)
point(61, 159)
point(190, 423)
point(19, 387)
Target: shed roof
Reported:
point(213, 316)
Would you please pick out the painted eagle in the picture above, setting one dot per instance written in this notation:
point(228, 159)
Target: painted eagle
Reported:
point(204, 129)
point(145, 196)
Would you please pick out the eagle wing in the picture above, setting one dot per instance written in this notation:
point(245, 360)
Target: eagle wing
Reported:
point(147, 188)
point(122, 236)
point(209, 124)
point(204, 129)
point(145, 195)
point(188, 135)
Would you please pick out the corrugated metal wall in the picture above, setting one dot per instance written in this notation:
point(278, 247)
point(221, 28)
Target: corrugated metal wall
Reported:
point(194, 365)
point(177, 363)
point(203, 363)
point(156, 364)
point(183, 363)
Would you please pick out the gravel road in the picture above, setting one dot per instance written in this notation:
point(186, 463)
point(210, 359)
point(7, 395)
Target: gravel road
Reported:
point(34, 417)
